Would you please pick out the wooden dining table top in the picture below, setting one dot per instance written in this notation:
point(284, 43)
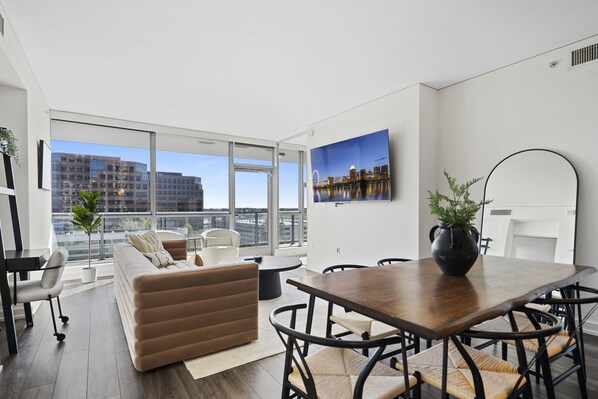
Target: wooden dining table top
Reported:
point(417, 297)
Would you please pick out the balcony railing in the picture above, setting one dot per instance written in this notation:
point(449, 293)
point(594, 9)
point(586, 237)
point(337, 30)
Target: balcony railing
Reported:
point(115, 228)
point(289, 229)
point(253, 227)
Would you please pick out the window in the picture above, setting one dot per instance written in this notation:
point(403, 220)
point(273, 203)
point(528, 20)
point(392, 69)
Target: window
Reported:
point(291, 197)
point(252, 155)
point(288, 198)
point(104, 156)
point(193, 187)
point(192, 176)
point(198, 169)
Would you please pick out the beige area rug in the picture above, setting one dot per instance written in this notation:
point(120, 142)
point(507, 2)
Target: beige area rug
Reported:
point(269, 343)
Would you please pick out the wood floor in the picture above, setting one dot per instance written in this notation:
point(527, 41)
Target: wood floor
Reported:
point(94, 362)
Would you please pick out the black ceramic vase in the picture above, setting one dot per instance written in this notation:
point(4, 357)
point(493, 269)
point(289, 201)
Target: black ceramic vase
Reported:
point(454, 249)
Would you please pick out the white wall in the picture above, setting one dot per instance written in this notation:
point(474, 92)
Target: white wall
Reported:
point(528, 105)
point(364, 232)
point(24, 110)
point(13, 115)
point(428, 163)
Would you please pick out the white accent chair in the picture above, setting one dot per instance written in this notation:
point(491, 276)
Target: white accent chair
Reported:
point(170, 235)
point(219, 244)
point(48, 287)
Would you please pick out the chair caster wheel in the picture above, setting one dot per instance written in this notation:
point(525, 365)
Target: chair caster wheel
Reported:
point(60, 337)
point(65, 319)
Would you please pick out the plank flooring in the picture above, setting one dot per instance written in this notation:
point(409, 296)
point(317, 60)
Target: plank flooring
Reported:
point(93, 362)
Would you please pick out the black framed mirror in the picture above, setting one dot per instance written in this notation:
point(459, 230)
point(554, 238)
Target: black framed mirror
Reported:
point(533, 213)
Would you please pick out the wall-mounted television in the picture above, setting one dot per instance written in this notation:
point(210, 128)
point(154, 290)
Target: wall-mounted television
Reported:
point(357, 169)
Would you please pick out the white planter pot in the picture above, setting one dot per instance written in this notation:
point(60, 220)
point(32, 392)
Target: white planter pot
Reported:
point(88, 275)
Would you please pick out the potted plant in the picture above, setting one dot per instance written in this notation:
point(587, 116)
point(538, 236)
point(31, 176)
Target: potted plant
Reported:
point(8, 142)
point(455, 248)
point(86, 217)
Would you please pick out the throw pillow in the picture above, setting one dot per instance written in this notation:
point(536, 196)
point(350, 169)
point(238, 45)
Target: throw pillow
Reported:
point(147, 242)
point(218, 241)
point(159, 259)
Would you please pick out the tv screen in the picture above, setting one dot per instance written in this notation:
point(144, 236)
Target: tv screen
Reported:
point(357, 169)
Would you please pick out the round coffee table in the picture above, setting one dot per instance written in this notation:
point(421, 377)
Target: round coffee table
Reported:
point(270, 268)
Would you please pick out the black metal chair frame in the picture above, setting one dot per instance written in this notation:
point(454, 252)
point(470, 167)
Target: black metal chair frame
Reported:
point(485, 244)
point(365, 336)
point(568, 306)
point(294, 356)
point(390, 261)
point(59, 336)
point(524, 366)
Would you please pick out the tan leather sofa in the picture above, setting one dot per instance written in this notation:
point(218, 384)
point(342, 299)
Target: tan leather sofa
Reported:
point(183, 311)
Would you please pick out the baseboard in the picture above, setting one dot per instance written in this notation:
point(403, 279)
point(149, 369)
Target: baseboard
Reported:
point(19, 312)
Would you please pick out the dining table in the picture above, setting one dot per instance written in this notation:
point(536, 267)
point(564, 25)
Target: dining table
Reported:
point(417, 297)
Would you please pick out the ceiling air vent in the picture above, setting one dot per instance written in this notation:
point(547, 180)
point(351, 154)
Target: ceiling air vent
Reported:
point(584, 55)
point(501, 212)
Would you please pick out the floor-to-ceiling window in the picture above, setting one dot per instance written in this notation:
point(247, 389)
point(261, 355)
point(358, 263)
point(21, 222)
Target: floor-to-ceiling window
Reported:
point(290, 198)
point(174, 182)
point(192, 184)
point(252, 182)
point(111, 161)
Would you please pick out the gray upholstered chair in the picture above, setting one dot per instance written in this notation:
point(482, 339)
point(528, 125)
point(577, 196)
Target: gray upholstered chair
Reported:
point(48, 287)
point(219, 244)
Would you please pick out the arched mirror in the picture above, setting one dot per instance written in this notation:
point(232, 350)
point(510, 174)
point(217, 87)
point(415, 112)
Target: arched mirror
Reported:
point(534, 208)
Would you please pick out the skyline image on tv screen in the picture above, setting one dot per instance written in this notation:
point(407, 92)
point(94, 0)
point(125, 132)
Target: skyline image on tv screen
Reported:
point(357, 169)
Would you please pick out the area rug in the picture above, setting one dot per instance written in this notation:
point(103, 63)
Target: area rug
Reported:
point(268, 344)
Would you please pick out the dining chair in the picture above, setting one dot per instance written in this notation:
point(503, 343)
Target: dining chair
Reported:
point(360, 325)
point(390, 261)
point(567, 343)
point(492, 376)
point(48, 287)
point(336, 370)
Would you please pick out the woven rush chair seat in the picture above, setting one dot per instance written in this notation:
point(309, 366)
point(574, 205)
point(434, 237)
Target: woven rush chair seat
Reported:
point(335, 372)
point(359, 324)
point(555, 344)
point(500, 377)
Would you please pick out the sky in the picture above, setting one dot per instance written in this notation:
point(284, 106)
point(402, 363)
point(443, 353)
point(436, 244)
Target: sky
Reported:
point(250, 191)
point(363, 152)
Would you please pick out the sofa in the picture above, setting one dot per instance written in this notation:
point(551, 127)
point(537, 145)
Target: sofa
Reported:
point(183, 311)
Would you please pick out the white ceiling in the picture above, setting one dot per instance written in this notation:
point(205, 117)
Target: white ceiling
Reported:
point(268, 68)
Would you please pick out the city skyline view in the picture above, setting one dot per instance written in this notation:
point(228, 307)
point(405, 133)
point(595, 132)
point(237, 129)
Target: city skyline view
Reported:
point(363, 152)
point(212, 169)
point(352, 170)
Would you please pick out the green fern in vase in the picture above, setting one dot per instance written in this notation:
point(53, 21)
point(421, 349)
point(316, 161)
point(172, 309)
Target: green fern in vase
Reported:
point(458, 208)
